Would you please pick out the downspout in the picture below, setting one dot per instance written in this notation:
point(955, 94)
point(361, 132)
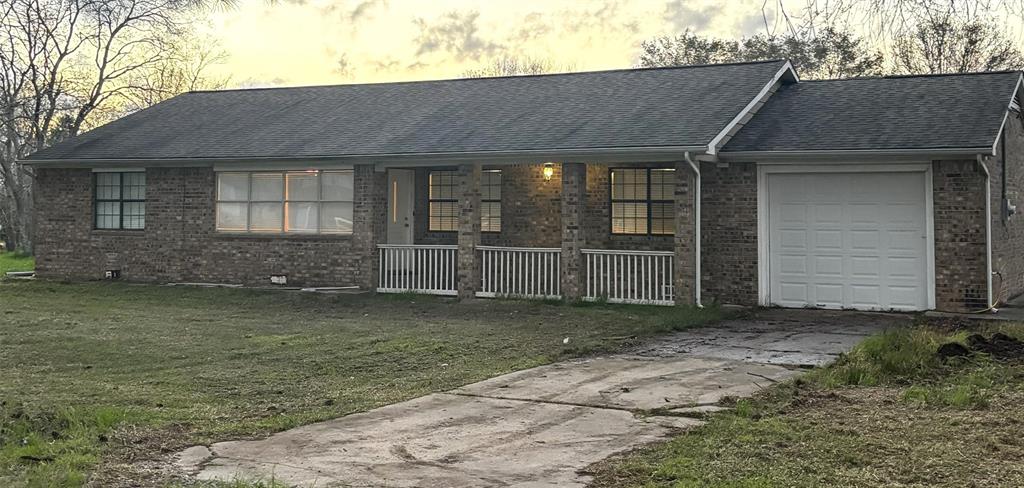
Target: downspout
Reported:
point(696, 226)
point(988, 234)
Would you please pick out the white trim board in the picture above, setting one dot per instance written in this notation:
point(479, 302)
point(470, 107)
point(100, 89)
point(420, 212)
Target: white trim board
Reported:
point(751, 108)
point(763, 231)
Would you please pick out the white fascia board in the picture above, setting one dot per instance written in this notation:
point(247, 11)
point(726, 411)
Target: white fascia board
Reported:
point(726, 132)
point(612, 154)
point(840, 156)
point(1011, 107)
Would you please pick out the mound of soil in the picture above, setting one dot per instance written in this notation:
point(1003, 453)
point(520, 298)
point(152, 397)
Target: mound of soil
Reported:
point(999, 346)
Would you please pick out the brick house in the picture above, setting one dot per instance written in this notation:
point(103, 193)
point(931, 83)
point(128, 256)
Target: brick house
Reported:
point(892, 193)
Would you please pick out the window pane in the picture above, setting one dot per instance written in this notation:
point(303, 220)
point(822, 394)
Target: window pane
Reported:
point(232, 216)
point(663, 184)
point(108, 186)
point(108, 215)
point(490, 216)
point(267, 187)
point(629, 218)
point(134, 215)
point(134, 186)
point(662, 219)
point(265, 217)
point(302, 187)
point(302, 217)
point(233, 187)
point(490, 185)
point(337, 186)
point(629, 184)
point(336, 218)
point(444, 216)
point(442, 185)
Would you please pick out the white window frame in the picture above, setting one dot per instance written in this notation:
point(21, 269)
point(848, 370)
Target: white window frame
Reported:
point(283, 202)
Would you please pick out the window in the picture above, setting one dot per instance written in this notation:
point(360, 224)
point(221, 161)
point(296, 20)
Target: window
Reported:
point(642, 201)
point(490, 201)
point(294, 202)
point(442, 203)
point(120, 200)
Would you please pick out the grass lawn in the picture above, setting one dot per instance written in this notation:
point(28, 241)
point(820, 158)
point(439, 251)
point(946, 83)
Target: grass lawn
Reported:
point(13, 261)
point(102, 381)
point(891, 413)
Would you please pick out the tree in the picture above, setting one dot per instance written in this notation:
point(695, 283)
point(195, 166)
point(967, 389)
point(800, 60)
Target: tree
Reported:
point(61, 63)
point(949, 45)
point(827, 53)
point(515, 66)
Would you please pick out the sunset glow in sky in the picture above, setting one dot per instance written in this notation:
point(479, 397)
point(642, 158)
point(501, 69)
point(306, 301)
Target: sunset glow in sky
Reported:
point(299, 42)
point(302, 42)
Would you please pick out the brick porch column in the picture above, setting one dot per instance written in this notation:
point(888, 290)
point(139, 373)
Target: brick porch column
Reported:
point(369, 220)
point(683, 281)
point(469, 230)
point(574, 206)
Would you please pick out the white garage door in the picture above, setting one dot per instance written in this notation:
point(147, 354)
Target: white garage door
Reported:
point(848, 240)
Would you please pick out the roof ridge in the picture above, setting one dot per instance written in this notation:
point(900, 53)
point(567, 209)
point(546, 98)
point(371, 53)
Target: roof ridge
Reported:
point(538, 75)
point(921, 75)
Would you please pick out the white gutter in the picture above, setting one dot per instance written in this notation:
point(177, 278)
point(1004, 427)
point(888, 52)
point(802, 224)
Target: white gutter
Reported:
point(623, 153)
point(988, 232)
point(696, 226)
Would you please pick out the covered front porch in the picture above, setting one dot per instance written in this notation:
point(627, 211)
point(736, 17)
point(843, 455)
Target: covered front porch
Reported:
point(615, 232)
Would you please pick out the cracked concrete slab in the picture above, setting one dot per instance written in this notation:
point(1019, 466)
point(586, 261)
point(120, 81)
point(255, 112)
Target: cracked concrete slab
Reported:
point(440, 440)
point(633, 383)
point(778, 336)
point(539, 427)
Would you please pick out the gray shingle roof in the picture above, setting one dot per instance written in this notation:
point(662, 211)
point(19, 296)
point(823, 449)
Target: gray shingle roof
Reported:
point(911, 112)
point(685, 106)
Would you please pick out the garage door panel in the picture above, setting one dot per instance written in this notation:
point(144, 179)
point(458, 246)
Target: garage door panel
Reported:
point(864, 213)
point(864, 239)
point(865, 267)
point(828, 295)
point(848, 240)
point(793, 265)
point(865, 296)
point(828, 266)
point(905, 240)
point(828, 213)
point(828, 239)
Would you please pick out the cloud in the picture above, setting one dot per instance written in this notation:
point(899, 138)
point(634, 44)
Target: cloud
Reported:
point(456, 34)
point(344, 67)
point(682, 16)
point(364, 10)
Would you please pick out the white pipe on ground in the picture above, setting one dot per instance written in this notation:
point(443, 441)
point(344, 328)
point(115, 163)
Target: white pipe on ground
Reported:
point(696, 225)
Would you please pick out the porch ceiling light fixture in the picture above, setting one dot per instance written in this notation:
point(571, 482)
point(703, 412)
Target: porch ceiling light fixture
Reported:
point(548, 171)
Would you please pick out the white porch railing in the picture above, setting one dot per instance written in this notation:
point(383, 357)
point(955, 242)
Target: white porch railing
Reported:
point(643, 277)
point(524, 272)
point(431, 270)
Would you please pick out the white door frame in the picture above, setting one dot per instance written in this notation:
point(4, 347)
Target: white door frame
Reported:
point(396, 209)
point(763, 230)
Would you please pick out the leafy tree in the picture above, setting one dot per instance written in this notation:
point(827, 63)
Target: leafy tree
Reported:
point(947, 44)
point(828, 53)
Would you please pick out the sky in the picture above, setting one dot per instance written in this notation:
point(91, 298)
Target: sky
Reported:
point(310, 42)
point(303, 42)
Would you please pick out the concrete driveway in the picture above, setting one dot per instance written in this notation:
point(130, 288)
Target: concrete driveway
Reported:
point(539, 427)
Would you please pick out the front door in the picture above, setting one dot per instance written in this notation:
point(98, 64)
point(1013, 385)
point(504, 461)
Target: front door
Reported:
point(400, 205)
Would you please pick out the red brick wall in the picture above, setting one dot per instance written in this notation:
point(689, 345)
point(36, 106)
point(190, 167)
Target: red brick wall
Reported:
point(180, 243)
point(1008, 231)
